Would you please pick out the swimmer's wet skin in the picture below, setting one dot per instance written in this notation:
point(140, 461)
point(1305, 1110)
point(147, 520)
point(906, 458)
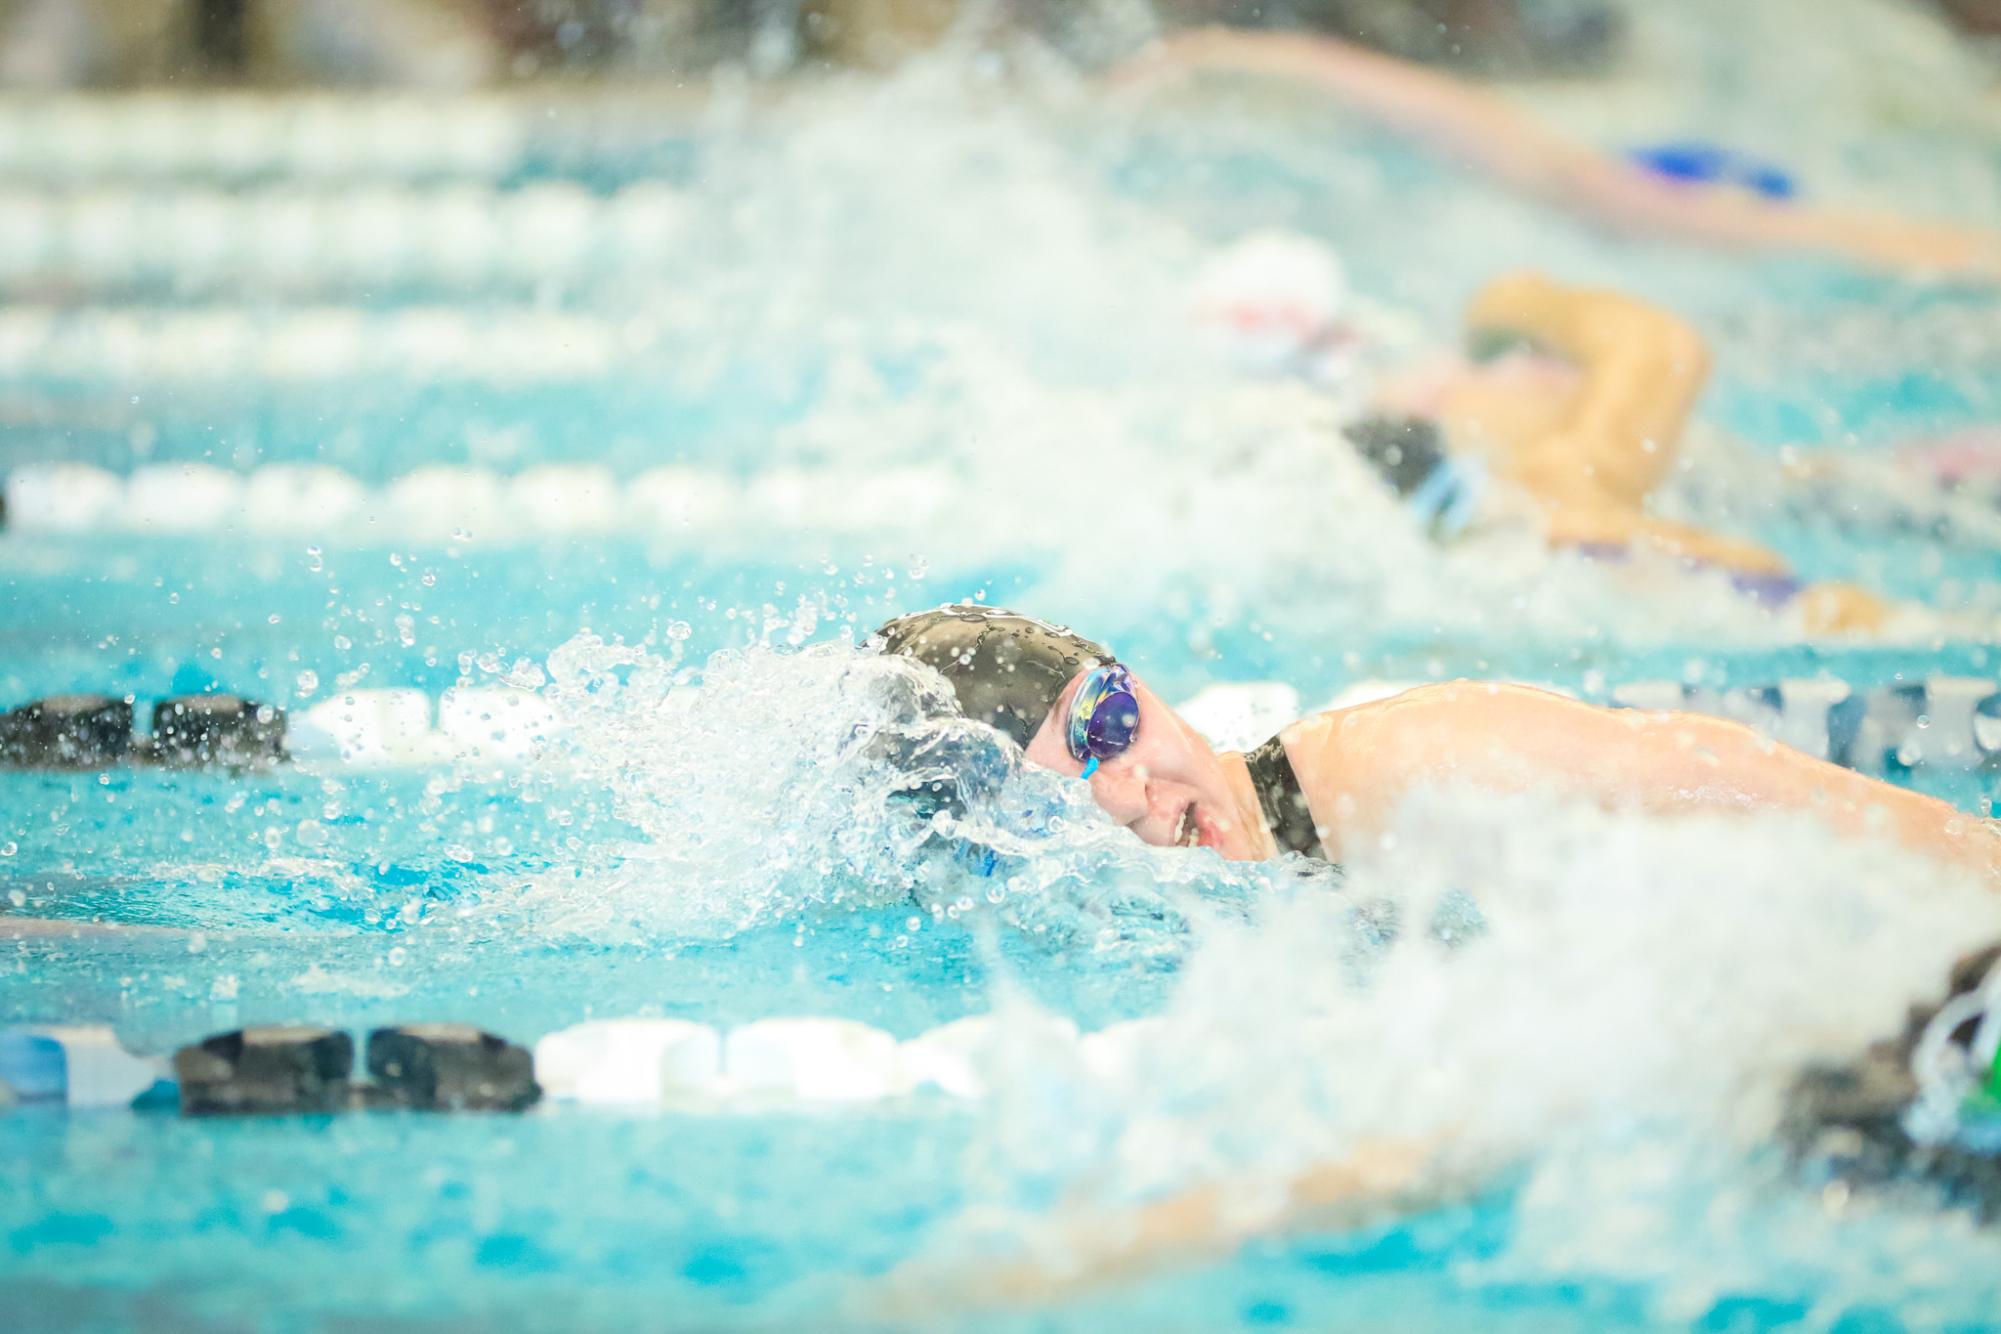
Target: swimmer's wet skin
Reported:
point(1329, 785)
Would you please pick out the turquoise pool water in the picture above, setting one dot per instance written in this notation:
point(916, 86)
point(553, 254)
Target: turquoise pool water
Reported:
point(859, 281)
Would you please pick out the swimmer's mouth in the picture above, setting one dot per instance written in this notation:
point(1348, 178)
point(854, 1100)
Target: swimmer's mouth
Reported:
point(1186, 835)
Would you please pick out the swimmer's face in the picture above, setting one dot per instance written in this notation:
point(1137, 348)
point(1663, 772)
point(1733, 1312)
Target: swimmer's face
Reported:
point(1169, 786)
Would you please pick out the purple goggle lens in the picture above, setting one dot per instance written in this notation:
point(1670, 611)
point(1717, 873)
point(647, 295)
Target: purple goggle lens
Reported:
point(1104, 716)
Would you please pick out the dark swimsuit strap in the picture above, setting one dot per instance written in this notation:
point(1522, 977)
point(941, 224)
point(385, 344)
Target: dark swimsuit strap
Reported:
point(1279, 797)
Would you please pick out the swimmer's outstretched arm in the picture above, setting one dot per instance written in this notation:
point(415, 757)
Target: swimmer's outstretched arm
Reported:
point(1083, 1248)
point(1486, 132)
point(1356, 765)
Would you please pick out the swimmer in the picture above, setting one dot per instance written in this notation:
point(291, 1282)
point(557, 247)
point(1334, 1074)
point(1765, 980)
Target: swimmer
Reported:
point(1489, 134)
point(1577, 399)
point(1328, 786)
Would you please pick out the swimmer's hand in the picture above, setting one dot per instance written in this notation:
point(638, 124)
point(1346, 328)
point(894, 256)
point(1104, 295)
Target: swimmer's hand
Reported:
point(1081, 1248)
point(1837, 608)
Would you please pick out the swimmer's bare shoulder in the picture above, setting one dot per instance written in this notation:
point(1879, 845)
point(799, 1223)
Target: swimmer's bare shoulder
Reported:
point(1356, 765)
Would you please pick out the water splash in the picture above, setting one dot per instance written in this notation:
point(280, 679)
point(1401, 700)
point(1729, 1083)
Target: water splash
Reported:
point(1619, 1014)
point(773, 783)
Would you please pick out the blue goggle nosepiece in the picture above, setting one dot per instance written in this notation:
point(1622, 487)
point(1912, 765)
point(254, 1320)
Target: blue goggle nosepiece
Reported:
point(1104, 716)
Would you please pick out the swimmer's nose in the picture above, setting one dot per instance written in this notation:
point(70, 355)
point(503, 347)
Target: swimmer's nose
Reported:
point(1121, 790)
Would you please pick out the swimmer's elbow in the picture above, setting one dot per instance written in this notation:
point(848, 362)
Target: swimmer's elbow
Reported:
point(1682, 349)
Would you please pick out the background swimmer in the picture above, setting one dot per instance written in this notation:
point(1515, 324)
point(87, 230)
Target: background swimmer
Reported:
point(1489, 134)
point(1329, 785)
point(1577, 398)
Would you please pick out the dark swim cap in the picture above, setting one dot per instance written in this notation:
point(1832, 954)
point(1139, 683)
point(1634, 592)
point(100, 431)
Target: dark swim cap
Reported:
point(1007, 670)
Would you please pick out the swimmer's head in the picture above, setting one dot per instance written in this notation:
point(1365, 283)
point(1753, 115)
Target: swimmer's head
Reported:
point(1072, 707)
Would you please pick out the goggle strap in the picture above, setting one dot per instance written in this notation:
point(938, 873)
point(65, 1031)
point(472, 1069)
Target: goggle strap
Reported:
point(1090, 768)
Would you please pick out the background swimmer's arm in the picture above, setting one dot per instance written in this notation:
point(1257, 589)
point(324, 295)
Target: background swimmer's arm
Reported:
point(1585, 524)
point(1089, 1248)
point(1825, 608)
point(1486, 132)
point(1356, 765)
point(1642, 368)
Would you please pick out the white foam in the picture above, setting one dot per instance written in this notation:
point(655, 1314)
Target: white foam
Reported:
point(1234, 715)
point(495, 724)
point(1122, 1052)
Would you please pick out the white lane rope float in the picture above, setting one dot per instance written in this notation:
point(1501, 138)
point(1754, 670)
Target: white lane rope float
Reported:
point(192, 241)
point(768, 1064)
point(305, 346)
point(469, 503)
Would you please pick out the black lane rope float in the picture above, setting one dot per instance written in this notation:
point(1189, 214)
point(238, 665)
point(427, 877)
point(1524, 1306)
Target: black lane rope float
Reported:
point(420, 1067)
point(87, 731)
